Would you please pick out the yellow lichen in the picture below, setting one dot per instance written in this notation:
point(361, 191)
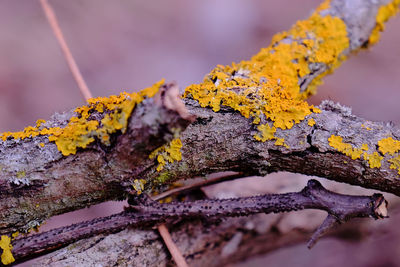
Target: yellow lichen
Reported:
point(83, 129)
point(395, 163)
point(167, 153)
point(268, 85)
point(374, 160)
point(14, 235)
point(389, 145)
point(384, 14)
point(311, 122)
point(364, 147)
point(281, 142)
point(21, 174)
point(365, 127)
point(265, 133)
point(347, 149)
point(5, 245)
point(138, 185)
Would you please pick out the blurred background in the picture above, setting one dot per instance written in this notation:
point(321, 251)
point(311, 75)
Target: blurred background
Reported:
point(126, 45)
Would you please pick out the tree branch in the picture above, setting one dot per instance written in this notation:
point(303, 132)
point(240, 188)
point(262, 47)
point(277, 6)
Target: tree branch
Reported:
point(249, 119)
point(144, 212)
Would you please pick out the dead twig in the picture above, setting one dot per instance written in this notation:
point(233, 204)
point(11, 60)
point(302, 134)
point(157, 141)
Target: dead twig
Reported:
point(172, 248)
point(52, 19)
point(144, 212)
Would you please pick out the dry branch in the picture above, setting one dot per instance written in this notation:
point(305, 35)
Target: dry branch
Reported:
point(145, 212)
point(37, 182)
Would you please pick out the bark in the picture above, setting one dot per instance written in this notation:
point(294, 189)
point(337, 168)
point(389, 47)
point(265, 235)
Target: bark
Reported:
point(37, 183)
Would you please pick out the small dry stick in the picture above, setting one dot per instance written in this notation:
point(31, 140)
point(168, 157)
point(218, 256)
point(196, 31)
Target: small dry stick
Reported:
point(144, 213)
point(191, 187)
point(172, 248)
point(51, 17)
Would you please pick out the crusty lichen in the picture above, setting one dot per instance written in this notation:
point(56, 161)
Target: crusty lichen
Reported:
point(167, 153)
point(384, 14)
point(374, 159)
point(84, 128)
point(389, 145)
point(138, 185)
point(268, 87)
point(347, 149)
point(395, 163)
point(6, 255)
point(267, 132)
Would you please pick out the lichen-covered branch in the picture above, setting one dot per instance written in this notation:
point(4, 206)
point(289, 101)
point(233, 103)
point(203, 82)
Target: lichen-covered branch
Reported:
point(252, 117)
point(37, 181)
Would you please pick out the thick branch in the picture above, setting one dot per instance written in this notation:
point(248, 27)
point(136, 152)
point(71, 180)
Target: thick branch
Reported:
point(224, 141)
point(149, 213)
point(38, 182)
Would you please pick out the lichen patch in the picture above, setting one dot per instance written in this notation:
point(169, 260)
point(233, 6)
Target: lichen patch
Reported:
point(268, 87)
point(84, 128)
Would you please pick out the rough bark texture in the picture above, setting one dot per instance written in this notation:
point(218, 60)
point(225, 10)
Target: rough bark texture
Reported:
point(36, 183)
point(53, 184)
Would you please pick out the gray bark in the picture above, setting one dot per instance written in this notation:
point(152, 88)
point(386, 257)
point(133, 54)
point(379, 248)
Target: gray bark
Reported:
point(53, 184)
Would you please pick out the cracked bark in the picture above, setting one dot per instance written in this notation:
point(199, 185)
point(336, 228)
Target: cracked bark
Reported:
point(214, 142)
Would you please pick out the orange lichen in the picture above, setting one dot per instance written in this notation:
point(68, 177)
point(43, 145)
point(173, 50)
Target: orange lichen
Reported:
point(267, 87)
point(389, 145)
point(384, 14)
point(83, 129)
point(5, 245)
point(167, 153)
point(374, 159)
point(311, 122)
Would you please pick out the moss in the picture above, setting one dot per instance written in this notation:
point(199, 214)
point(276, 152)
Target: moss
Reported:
point(83, 129)
point(5, 245)
point(268, 85)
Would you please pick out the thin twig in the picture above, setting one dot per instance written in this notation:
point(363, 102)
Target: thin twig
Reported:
point(163, 230)
point(191, 187)
point(172, 248)
point(144, 213)
point(52, 19)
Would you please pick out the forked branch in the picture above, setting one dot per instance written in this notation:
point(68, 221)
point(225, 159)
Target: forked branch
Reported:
point(144, 213)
